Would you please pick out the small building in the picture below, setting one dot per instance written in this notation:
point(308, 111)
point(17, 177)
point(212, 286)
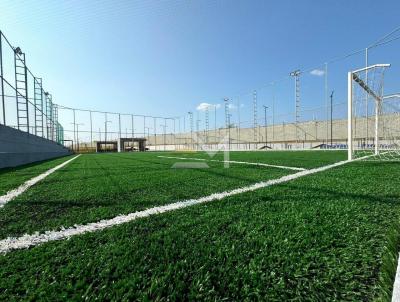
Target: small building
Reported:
point(122, 145)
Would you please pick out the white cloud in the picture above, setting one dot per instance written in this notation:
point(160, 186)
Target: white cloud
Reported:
point(317, 72)
point(204, 106)
point(232, 107)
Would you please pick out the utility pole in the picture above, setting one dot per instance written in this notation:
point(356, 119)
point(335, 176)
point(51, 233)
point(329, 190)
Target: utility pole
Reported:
point(296, 75)
point(265, 125)
point(332, 118)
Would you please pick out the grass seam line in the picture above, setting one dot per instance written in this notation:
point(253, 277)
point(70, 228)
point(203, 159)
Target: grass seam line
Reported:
point(26, 241)
point(10, 195)
point(235, 162)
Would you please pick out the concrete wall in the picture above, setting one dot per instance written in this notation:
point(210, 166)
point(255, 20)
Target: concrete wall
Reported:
point(18, 148)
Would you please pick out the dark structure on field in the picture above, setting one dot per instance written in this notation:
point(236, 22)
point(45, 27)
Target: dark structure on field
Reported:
point(120, 145)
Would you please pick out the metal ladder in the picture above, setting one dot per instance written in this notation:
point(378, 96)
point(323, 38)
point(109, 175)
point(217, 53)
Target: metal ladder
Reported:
point(21, 90)
point(55, 123)
point(38, 97)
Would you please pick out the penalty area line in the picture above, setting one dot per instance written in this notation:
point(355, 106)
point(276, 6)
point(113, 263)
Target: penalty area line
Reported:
point(26, 241)
point(10, 195)
point(235, 162)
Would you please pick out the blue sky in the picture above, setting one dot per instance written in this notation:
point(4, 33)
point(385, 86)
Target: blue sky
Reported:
point(164, 58)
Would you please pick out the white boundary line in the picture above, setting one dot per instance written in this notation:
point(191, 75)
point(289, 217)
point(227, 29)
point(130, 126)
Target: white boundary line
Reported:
point(396, 285)
point(235, 162)
point(10, 195)
point(26, 241)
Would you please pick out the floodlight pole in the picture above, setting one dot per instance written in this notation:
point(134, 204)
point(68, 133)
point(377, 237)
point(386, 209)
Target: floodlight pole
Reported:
point(296, 75)
point(265, 125)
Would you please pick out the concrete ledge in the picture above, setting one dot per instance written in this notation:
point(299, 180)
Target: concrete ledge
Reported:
point(19, 148)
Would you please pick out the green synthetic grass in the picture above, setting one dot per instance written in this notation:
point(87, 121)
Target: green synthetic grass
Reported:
point(10, 178)
point(101, 186)
point(331, 236)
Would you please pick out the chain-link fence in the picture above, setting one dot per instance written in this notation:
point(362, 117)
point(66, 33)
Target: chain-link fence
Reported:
point(304, 109)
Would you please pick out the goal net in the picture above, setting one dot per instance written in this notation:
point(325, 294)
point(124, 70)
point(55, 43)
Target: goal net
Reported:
point(373, 118)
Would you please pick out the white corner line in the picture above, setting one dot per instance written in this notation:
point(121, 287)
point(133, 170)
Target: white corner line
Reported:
point(235, 162)
point(26, 241)
point(10, 195)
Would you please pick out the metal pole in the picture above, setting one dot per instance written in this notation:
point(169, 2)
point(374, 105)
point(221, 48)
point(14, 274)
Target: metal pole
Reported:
point(366, 96)
point(155, 133)
point(349, 116)
point(265, 125)
point(191, 127)
point(273, 111)
point(119, 125)
point(133, 131)
point(326, 99)
point(144, 126)
point(73, 110)
point(238, 134)
point(105, 128)
point(77, 139)
point(331, 118)
point(2, 80)
point(174, 135)
point(91, 129)
point(377, 105)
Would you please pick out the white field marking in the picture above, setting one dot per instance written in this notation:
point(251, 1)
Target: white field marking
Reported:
point(235, 162)
point(26, 241)
point(29, 183)
point(396, 285)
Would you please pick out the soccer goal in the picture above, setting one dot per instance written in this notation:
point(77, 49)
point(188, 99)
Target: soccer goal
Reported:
point(373, 118)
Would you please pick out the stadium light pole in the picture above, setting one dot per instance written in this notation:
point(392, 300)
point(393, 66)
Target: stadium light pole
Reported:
point(296, 75)
point(265, 125)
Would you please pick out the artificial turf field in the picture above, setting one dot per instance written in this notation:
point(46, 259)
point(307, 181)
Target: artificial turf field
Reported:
point(333, 235)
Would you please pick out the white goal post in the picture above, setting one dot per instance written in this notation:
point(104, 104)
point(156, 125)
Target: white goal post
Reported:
point(373, 118)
